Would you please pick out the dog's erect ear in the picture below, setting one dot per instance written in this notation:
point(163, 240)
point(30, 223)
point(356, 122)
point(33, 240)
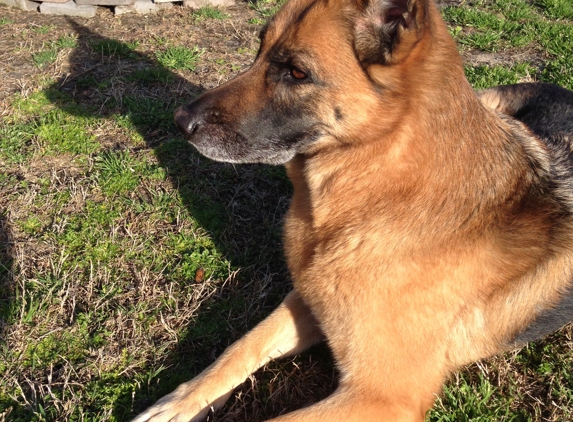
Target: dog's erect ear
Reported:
point(386, 30)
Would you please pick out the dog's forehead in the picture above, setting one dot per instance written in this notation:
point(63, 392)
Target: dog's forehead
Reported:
point(310, 20)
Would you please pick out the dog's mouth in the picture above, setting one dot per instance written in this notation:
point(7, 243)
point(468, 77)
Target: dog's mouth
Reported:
point(219, 141)
point(219, 144)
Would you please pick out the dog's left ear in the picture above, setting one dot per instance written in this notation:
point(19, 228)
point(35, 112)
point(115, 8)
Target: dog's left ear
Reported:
point(387, 30)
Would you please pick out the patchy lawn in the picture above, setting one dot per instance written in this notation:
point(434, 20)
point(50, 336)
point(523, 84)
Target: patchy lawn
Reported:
point(128, 262)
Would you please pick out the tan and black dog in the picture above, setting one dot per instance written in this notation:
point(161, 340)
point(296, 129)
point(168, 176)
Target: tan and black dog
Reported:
point(428, 229)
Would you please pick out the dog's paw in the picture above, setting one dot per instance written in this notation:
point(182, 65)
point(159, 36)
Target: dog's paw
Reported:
point(182, 405)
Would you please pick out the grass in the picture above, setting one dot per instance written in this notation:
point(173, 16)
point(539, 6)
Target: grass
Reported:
point(41, 29)
point(50, 52)
point(128, 262)
point(66, 41)
point(515, 24)
point(556, 9)
point(487, 76)
point(114, 48)
point(123, 229)
point(47, 129)
point(179, 57)
point(209, 12)
point(151, 74)
point(45, 57)
point(265, 9)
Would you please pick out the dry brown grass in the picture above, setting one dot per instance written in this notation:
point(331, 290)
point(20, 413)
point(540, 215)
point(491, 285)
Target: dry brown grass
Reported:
point(103, 307)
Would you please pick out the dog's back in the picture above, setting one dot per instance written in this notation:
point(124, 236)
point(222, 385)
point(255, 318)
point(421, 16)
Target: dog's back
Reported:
point(545, 108)
point(547, 111)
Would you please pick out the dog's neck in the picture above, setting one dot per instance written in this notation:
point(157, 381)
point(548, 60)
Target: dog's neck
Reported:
point(418, 152)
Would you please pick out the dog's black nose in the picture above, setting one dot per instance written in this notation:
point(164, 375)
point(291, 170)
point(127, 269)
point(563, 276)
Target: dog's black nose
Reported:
point(186, 121)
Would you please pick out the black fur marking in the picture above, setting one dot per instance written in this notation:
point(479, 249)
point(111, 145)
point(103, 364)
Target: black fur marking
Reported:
point(338, 114)
point(549, 109)
point(263, 31)
point(272, 134)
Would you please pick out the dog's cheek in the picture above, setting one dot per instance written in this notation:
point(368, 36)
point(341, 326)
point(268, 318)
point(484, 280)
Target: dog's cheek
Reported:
point(283, 123)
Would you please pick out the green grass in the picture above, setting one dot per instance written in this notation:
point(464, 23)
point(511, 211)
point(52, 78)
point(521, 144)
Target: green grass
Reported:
point(118, 231)
point(66, 41)
point(265, 9)
point(45, 58)
point(58, 133)
point(475, 400)
point(114, 48)
point(179, 57)
point(149, 111)
point(117, 172)
point(556, 9)
point(15, 139)
point(257, 21)
point(42, 29)
point(128, 261)
point(511, 24)
point(209, 12)
point(50, 53)
point(151, 74)
point(508, 26)
point(486, 76)
point(38, 129)
point(48, 129)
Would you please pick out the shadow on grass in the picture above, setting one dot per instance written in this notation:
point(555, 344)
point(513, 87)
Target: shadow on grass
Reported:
point(6, 278)
point(241, 208)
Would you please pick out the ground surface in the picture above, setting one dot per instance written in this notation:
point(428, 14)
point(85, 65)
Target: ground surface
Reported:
point(128, 262)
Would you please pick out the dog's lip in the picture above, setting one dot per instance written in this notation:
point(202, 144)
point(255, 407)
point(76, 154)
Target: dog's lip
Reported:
point(217, 144)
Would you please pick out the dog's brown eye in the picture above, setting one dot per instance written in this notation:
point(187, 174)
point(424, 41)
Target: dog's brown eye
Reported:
point(297, 73)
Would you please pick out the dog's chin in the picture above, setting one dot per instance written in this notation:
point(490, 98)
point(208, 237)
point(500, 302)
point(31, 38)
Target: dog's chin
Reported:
point(256, 156)
point(226, 146)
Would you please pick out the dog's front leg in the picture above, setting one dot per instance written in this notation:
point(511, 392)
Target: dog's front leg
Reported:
point(291, 328)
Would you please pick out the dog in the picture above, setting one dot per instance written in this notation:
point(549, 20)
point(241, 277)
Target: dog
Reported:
point(429, 227)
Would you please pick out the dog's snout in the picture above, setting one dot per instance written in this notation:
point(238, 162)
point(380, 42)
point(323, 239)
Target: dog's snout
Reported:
point(187, 121)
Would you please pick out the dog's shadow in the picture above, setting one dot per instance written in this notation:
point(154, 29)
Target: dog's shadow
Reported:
point(7, 286)
point(241, 208)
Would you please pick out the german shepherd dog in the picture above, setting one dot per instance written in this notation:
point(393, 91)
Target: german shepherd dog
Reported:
point(430, 226)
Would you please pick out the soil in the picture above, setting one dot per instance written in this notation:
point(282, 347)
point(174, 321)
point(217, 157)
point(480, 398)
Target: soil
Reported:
point(32, 32)
point(232, 40)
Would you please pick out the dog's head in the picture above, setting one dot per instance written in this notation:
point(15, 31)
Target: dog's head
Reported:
point(328, 73)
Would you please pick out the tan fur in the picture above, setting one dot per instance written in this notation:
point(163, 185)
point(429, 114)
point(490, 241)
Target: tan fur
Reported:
point(417, 238)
